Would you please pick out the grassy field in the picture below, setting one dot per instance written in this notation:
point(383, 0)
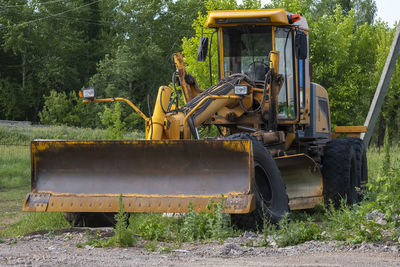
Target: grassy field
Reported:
point(376, 157)
point(347, 223)
point(15, 174)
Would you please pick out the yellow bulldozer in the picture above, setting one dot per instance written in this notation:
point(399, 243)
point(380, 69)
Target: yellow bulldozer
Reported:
point(275, 150)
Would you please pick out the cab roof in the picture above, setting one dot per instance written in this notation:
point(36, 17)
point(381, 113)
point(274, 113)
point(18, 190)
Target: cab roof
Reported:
point(220, 18)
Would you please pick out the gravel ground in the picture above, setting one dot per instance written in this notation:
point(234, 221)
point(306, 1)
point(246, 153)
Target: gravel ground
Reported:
point(61, 250)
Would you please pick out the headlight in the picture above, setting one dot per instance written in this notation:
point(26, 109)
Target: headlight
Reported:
point(88, 93)
point(241, 90)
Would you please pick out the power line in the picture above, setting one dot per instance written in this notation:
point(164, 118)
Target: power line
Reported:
point(51, 16)
point(44, 3)
point(72, 19)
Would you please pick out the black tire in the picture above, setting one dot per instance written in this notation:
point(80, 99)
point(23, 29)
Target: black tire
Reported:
point(272, 201)
point(90, 219)
point(361, 155)
point(341, 172)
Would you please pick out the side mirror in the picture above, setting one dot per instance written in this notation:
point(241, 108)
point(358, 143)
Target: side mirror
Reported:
point(301, 45)
point(203, 49)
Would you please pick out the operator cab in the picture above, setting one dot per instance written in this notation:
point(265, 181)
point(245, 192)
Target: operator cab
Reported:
point(245, 40)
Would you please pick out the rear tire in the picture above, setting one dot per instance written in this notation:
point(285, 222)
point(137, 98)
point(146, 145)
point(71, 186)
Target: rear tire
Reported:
point(341, 172)
point(269, 189)
point(361, 155)
point(90, 219)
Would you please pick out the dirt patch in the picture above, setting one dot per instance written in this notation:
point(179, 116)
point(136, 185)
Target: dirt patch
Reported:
point(60, 248)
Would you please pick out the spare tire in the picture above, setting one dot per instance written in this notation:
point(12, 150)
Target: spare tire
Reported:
point(272, 201)
point(341, 172)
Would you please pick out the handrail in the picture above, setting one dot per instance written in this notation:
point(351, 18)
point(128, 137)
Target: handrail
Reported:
point(118, 99)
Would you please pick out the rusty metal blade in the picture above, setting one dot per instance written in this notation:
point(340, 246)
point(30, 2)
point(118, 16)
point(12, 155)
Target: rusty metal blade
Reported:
point(303, 180)
point(149, 170)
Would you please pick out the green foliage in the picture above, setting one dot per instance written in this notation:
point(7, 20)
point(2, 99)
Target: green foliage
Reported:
point(347, 82)
point(151, 246)
point(45, 51)
point(60, 108)
point(387, 191)
point(139, 60)
point(351, 224)
point(293, 232)
point(134, 122)
point(63, 109)
point(111, 118)
point(155, 226)
point(98, 241)
point(214, 224)
point(124, 236)
point(207, 225)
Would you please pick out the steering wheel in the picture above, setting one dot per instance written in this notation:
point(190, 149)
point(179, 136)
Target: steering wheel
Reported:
point(257, 70)
point(258, 61)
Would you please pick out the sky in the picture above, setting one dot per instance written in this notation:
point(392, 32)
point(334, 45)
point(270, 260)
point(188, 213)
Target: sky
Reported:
point(388, 10)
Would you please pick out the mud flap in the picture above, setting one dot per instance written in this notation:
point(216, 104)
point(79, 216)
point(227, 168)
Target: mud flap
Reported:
point(303, 180)
point(152, 176)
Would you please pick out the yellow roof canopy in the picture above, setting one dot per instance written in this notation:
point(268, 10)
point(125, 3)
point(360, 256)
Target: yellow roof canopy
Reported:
point(236, 17)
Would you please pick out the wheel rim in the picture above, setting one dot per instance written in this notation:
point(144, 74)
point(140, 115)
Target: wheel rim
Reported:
point(263, 184)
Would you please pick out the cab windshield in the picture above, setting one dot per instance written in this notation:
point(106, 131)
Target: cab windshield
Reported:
point(246, 50)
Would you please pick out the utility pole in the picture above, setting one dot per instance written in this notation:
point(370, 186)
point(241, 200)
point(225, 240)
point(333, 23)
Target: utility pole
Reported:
point(382, 88)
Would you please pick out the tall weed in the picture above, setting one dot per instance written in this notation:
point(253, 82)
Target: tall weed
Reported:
point(124, 236)
point(155, 227)
point(292, 232)
point(351, 224)
point(214, 224)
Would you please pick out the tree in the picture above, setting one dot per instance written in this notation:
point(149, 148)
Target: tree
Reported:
point(68, 109)
point(140, 62)
point(50, 47)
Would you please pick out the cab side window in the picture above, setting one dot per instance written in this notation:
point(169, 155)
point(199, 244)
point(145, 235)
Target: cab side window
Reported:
point(287, 95)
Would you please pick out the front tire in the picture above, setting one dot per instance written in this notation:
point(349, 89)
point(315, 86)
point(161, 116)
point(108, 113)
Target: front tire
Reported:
point(272, 201)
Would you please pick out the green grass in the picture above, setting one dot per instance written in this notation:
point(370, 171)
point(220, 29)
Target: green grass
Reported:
point(23, 135)
point(32, 222)
point(14, 166)
point(376, 158)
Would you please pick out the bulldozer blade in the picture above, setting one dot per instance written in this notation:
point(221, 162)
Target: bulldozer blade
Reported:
point(151, 176)
point(303, 180)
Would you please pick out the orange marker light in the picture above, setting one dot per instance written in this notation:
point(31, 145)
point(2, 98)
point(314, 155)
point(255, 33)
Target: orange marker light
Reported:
point(293, 18)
